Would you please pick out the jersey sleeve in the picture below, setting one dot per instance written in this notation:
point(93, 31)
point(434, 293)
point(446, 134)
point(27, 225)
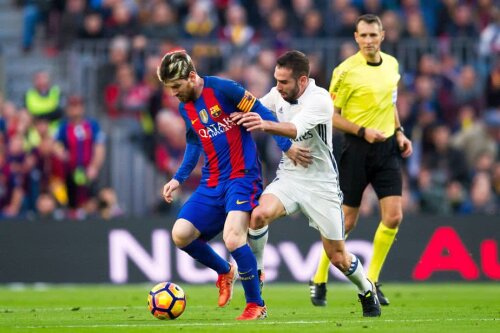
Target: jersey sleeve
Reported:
point(98, 133)
point(318, 110)
point(191, 154)
point(339, 87)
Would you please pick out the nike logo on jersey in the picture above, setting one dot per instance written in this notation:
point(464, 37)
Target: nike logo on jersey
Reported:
point(193, 121)
point(238, 202)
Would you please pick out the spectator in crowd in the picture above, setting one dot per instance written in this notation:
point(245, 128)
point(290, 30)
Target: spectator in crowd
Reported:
point(122, 21)
point(468, 89)
point(431, 194)
point(298, 12)
point(71, 22)
point(200, 21)
point(118, 55)
point(163, 22)
point(278, 30)
point(482, 136)
point(47, 208)
point(393, 30)
point(46, 170)
point(347, 22)
point(44, 98)
point(334, 8)
point(493, 87)
point(236, 31)
point(127, 98)
point(92, 27)
point(482, 197)
point(260, 11)
point(34, 12)
point(444, 160)
point(13, 177)
point(312, 26)
point(81, 146)
point(461, 24)
point(170, 142)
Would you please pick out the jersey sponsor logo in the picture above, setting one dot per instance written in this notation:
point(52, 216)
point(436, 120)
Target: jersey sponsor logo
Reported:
point(215, 111)
point(203, 116)
point(238, 202)
point(213, 130)
point(307, 135)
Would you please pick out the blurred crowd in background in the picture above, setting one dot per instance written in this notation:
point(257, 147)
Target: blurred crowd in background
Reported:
point(52, 152)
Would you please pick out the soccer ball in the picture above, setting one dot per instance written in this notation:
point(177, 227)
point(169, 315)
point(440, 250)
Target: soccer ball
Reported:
point(166, 300)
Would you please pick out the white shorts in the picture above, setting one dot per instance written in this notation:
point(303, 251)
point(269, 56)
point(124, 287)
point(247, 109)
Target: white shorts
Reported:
point(321, 204)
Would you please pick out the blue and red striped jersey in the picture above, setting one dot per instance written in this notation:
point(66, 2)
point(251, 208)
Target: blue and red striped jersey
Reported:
point(79, 140)
point(230, 151)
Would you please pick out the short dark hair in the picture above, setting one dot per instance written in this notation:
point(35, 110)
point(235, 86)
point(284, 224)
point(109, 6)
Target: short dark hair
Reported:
point(369, 18)
point(175, 65)
point(296, 61)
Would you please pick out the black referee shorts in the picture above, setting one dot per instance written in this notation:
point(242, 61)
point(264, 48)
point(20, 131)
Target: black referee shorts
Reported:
point(362, 163)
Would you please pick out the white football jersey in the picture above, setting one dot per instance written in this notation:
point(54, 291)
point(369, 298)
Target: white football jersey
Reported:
point(312, 116)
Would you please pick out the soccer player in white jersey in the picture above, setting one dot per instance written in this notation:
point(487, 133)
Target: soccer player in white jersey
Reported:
point(305, 111)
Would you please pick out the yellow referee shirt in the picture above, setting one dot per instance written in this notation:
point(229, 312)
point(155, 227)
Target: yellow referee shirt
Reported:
point(367, 93)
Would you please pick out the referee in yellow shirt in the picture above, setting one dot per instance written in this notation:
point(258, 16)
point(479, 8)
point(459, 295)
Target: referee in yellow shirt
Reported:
point(364, 89)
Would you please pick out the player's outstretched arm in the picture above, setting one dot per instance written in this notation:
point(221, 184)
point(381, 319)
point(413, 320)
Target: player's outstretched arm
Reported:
point(169, 188)
point(252, 121)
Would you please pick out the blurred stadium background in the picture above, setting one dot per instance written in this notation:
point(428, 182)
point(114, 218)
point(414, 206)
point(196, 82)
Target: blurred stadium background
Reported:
point(99, 58)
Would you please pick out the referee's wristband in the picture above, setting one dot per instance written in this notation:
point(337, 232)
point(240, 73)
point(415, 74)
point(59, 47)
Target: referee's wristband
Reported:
point(361, 132)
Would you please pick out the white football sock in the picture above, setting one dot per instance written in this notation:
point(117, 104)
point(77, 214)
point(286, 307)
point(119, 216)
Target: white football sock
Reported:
point(257, 239)
point(356, 274)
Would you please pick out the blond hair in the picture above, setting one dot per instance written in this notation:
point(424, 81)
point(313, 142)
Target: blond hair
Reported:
point(175, 65)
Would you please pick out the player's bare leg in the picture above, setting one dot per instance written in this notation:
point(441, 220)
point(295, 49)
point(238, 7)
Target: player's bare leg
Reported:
point(352, 268)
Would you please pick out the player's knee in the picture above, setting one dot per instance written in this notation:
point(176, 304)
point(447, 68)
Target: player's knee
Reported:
point(181, 238)
point(393, 220)
point(233, 243)
point(260, 218)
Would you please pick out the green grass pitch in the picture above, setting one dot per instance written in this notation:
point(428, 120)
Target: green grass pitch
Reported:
point(106, 308)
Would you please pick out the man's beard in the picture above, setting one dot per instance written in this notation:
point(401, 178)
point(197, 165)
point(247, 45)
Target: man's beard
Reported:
point(292, 97)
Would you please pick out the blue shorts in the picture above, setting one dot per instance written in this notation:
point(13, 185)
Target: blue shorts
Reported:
point(207, 208)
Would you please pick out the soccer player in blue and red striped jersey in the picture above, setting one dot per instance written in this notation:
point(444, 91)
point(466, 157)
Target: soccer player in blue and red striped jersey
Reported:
point(231, 180)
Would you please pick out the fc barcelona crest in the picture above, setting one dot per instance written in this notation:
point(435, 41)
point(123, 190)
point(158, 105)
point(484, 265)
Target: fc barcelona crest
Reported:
point(215, 111)
point(203, 116)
